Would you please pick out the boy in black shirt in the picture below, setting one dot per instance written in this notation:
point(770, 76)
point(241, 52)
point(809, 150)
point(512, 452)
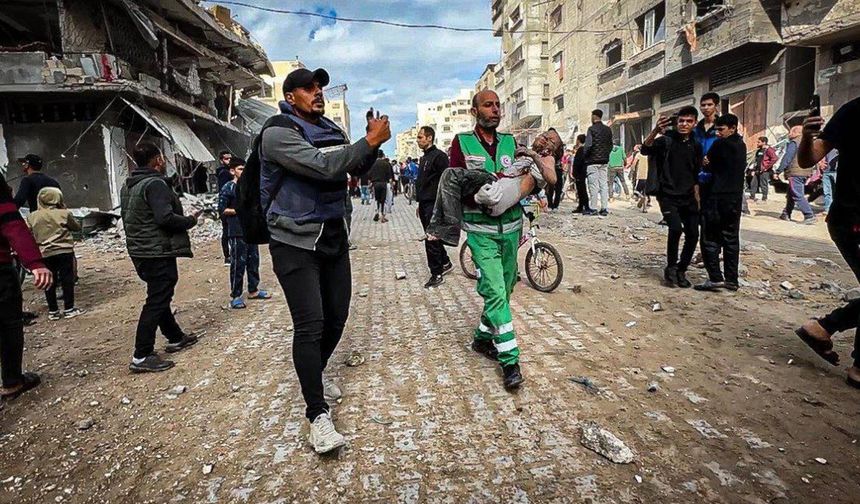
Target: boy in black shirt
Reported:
point(677, 158)
point(722, 180)
point(843, 223)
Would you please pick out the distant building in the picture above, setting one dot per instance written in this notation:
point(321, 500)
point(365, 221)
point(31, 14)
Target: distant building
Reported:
point(407, 144)
point(448, 117)
point(337, 110)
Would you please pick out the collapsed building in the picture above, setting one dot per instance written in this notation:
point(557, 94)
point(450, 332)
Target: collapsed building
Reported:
point(83, 81)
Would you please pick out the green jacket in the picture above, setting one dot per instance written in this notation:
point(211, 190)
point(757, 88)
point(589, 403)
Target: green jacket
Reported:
point(152, 217)
point(477, 158)
point(616, 157)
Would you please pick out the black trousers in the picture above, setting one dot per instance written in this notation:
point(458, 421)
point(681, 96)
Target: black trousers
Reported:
point(11, 327)
point(846, 236)
point(760, 182)
point(557, 190)
point(225, 241)
point(318, 289)
point(161, 277)
point(721, 227)
point(582, 194)
point(682, 217)
point(380, 193)
point(437, 257)
point(62, 266)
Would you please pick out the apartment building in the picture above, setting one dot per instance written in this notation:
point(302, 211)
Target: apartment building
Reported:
point(82, 82)
point(520, 75)
point(407, 145)
point(448, 117)
point(274, 91)
point(487, 80)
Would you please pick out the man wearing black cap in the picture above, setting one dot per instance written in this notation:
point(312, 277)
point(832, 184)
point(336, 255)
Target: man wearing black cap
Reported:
point(305, 159)
point(33, 182)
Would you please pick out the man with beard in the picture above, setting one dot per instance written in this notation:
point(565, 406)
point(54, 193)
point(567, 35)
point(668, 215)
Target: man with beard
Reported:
point(431, 166)
point(494, 239)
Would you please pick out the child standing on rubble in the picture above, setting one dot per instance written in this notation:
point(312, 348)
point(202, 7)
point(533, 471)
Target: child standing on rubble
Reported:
point(52, 225)
point(243, 256)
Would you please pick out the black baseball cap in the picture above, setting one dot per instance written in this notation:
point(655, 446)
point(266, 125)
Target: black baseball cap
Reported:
point(303, 77)
point(32, 160)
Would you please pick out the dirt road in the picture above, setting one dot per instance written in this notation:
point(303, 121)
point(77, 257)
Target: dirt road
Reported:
point(742, 417)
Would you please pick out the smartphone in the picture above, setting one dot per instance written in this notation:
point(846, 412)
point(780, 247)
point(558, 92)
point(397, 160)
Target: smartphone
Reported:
point(673, 122)
point(815, 110)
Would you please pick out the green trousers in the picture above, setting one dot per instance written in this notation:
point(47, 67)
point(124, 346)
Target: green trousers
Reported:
point(495, 257)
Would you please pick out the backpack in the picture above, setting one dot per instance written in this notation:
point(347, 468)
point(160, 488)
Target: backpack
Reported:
point(249, 209)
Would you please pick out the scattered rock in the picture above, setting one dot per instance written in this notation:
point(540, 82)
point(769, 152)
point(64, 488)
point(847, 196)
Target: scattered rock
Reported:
point(705, 429)
point(85, 424)
point(586, 382)
point(820, 460)
point(355, 359)
point(576, 289)
point(656, 307)
point(603, 442)
point(400, 275)
point(638, 478)
point(852, 294)
point(207, 468)
point(768, 263)
point(94, 403)
point(796, 294)
point(82, 373)
point(653, 387)
point(693, 397)
point(125, 400)
point(726, 478)
point(176, 391)
point(753, 441)
point(630, 324)
point(615, 276)
point(787, 285)
point(668, 369)
point(235, 388)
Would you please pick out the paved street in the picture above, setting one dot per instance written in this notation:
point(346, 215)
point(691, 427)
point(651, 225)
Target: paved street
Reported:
point(742, 418)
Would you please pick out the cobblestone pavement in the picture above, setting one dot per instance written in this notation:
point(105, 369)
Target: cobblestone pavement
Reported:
point(741, 417)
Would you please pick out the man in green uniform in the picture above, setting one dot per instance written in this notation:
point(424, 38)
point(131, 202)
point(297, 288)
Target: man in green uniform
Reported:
point(493, 240)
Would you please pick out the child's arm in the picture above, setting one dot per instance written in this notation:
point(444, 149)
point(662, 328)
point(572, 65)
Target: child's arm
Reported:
point(72, 224)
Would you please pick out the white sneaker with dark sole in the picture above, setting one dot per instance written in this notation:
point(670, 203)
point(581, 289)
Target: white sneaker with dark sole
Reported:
point(323, 436)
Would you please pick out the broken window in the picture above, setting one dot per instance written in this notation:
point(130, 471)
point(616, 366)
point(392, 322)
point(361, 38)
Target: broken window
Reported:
point(514, 19)
point(558, 102)
point(612, 51)
point(516, 57)
point(30, 25)
point(705, 6)
point(555, 18)
point(652, 26)
point(558, 65)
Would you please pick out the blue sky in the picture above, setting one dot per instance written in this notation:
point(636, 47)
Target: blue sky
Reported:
point(385, 67)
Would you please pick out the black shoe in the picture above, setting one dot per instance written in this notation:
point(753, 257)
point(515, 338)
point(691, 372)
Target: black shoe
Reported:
point(603, 213)
point(485, 348)
point(513, 376)
point(434, 281)
point(732, 286)
point(710, 286)
point(447, 268)
point(682, 280)
point(151, 364)
point(663, 223)
point(578, 210)
point(589, 212)
point(186, 341)
point(376, 218)
point(670, 276)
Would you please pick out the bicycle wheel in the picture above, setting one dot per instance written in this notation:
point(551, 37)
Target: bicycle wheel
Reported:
point(544, 267)
point(466, 262)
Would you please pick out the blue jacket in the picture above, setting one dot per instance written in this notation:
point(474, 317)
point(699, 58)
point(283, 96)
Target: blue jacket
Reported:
point(705, 138)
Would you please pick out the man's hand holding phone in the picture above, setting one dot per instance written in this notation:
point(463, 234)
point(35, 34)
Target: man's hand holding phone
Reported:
point(378, 128)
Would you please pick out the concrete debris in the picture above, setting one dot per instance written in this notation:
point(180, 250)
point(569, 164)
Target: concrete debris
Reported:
point(355, 359)
point(726, 478)
point(400, 275)
point(852, 294)
point(705, 429)
point(787, 285)
point(85, 424)
point(576, 289)
point(693, 397)
point(176, 391)
point(668, 369)
point(603, 442)
point(125, 400)
point(615, 276)
point(820, 460)
point(653, 387)
point(630, 324)
point(753, 441)
point(207, 468)
point(656, 307)
point(796, 294)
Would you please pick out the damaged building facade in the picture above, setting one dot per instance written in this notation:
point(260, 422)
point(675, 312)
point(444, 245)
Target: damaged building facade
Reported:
point(637, 59)
point(83, 81)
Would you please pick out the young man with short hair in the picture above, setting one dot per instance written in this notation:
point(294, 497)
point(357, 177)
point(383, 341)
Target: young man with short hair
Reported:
point(244, 257)
point(579, 174)
point(33, 182)
point(722, 192)
point(156, 234)
point(598, 146)
point(678, 158)
point(431, 166)
point(765, 159)
point(381, 174)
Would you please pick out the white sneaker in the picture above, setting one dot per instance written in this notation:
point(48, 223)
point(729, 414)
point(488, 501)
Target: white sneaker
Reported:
point(55, 315)
point(323, 435)
point(73, 312)
point(331, 391)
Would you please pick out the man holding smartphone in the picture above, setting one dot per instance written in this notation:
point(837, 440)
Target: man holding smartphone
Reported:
point(843, 222)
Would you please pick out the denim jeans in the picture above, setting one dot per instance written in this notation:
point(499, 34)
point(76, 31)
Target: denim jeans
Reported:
point(365, 195)
point(243, 257)
point(828, 180)
point(598, 185)
point(794, 196)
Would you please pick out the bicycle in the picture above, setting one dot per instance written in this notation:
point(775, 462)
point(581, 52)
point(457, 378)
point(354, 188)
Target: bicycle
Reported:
point(544, 266)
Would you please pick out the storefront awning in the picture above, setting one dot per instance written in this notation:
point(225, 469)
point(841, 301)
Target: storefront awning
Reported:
point(632, 116)
point(177, 131)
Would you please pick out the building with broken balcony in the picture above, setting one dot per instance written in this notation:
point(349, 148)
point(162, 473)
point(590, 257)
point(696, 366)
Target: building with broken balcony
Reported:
point(83, 81)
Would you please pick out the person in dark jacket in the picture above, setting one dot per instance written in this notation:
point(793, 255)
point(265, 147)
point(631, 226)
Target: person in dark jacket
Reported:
point(579, 175)
point(156, 233)
point(677, 158)
point(223, 176)
point(304, 168)
point(33, 182)
point(381, 174)
point(15, 236)
point(722, 192)
point(598, 146)
point(430, 168)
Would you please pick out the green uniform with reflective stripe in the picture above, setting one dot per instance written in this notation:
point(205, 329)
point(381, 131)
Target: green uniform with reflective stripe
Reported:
point(494, 242)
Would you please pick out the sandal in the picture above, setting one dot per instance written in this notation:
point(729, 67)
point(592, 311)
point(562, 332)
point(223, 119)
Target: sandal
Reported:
point(237, 304)
point(29, 381)
point(824, 349)
point(260, 294)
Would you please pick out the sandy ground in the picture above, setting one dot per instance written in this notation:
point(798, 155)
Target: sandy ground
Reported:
point(743, 417)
